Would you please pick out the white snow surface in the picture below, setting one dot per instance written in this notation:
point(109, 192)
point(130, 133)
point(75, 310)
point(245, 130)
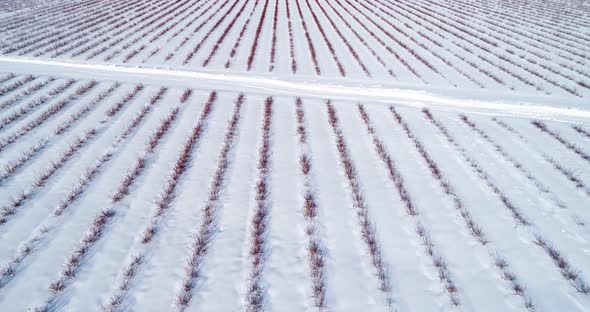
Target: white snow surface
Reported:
point(467, 100)
point(133, 181)
point(350, 282)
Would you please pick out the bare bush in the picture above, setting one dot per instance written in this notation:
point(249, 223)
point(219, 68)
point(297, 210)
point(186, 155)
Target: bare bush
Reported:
point(113, 110)
point(582, 131)
point(515, 163)
point(4, 79)
point(315, 247)
point(162, 204)
point(82, 183)
point(567, 271)
point(572, 147)
point(143, 112)
point(427, 242)
point(15, 85)
point(13, 166)
point(236, 45)
point(45, 115)
point(273, 48)
point(97, 227)
point(477, 230)
point(200, 44)
point(482, 174)
point(29, 90)
point(9, 270)
point(292, 43)
point(225, 32)
point(204, 234)
point(153, 141)
point(569, 174)
point(18, 200)
point(65, 125)
point(367, 228)
point(255, 294)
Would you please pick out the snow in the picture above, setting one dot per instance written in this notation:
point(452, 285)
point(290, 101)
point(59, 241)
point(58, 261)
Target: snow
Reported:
point(493, 102)
point(499, 165)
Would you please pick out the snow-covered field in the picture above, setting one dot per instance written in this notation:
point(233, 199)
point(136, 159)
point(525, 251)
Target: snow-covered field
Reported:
point(509, 46)
point(294, 155)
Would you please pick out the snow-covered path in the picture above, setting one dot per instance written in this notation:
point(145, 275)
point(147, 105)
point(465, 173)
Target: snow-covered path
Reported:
point(460, 100)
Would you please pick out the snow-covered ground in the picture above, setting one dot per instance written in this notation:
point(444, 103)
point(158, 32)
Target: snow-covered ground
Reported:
point(483, 185)
point(537, 47)
point(144, 166)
